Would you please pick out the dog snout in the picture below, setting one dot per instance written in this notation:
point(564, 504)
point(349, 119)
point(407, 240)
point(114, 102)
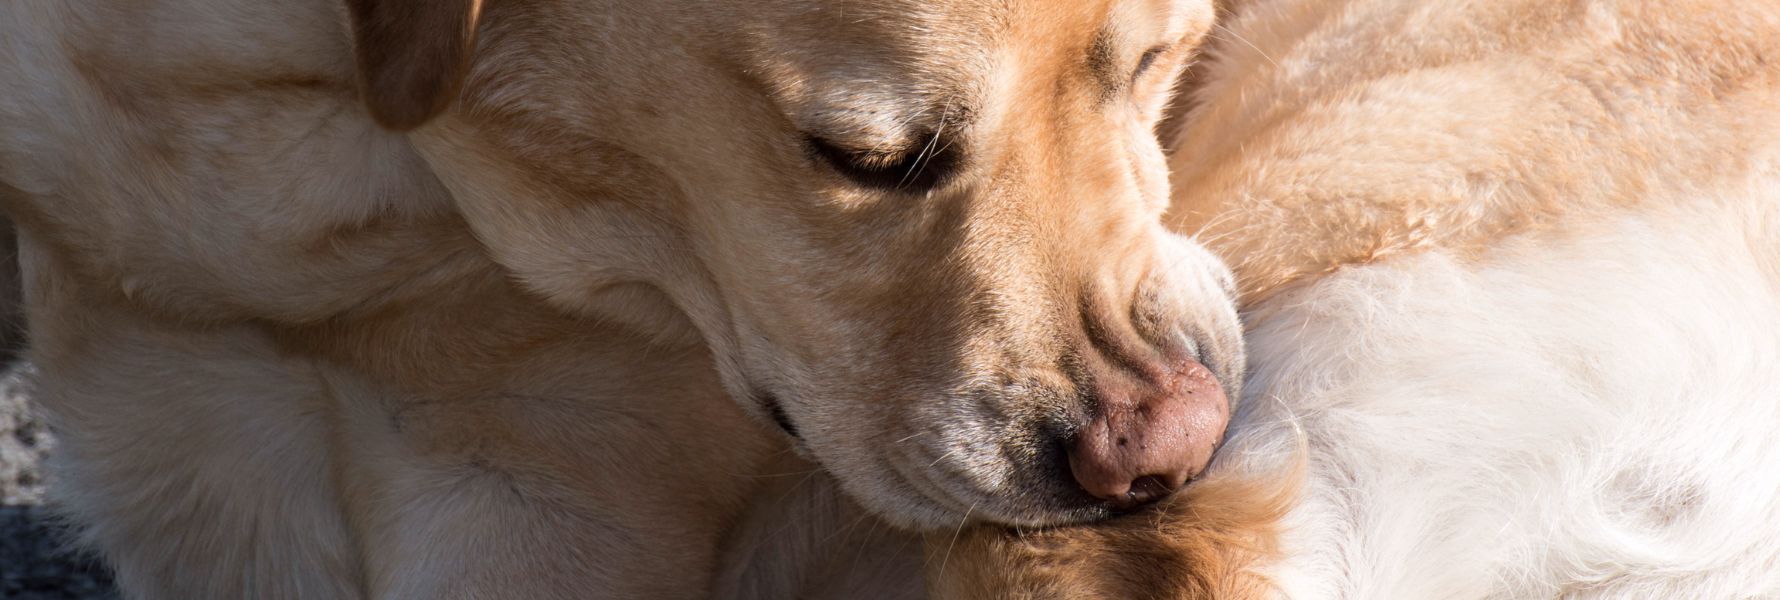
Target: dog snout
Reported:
point(1139, 445)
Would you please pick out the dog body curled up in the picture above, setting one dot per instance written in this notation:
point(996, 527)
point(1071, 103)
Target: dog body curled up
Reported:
point(427, 299)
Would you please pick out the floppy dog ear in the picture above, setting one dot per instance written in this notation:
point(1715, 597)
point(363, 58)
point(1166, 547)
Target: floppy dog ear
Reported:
point(412, 56)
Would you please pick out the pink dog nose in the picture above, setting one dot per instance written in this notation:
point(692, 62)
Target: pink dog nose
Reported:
point(1139, 450)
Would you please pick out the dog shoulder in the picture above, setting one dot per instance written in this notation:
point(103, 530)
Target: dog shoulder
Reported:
point(239, 116)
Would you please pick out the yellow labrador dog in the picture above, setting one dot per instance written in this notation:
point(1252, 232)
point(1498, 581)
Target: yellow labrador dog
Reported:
point(427, 298)
point(1511, 275)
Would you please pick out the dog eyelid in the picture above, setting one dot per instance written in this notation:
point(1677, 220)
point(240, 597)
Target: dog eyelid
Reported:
point(1148, 60)
point(897, 170)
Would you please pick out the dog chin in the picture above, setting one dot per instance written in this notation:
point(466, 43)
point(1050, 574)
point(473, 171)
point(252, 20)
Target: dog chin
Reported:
point(890, 491)
point(885, 494)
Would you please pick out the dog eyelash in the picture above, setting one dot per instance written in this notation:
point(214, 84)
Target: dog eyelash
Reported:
point(863, 160)
point(899, 171)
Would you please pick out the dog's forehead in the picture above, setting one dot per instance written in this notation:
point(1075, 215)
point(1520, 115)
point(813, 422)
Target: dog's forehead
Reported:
point(886, 68)
point(867, 68)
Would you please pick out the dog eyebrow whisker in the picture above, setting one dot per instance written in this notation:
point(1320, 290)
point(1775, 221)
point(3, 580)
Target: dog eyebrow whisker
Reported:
point(1245, 42)
point(920, 162)
point(927, 153)
point(896, 146)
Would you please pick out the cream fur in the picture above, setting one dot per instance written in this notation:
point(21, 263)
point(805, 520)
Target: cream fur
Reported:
point(1547, 364)
point(1509, 275)
point(1585, 415)
point(457, 299)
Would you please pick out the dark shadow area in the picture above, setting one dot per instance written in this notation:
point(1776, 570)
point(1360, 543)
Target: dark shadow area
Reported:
point(33, 565)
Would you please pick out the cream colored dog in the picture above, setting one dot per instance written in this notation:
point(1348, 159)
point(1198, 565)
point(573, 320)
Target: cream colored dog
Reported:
point(432, 298)
point(1511, 276)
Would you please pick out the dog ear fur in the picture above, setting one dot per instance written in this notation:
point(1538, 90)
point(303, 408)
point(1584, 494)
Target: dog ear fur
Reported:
point(412, 56)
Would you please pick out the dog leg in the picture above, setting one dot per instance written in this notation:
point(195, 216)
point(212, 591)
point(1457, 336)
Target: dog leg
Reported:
point(590, 470)
point(196, 461)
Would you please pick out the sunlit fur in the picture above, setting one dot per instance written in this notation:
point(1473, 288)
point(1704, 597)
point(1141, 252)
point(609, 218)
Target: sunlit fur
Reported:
point(1511, 273)
point(447, 298)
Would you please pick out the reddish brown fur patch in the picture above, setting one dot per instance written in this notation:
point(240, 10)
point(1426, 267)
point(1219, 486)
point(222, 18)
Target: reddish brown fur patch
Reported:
point(1207, 542)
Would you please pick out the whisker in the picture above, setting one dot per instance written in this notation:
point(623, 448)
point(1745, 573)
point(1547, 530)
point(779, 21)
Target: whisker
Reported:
point(900, 126)
point(927, 153)
point(860, 550)
point(848, 529)
point(1245, 41)
point(948, 558)
point(947, 455)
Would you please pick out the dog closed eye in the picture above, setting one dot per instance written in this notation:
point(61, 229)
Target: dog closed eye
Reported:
point(916, 169)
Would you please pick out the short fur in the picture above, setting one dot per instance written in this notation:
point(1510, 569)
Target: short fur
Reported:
point(1510, 278)
point(425, 299)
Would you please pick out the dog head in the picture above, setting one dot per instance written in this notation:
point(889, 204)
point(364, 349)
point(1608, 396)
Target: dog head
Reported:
point(919, 236)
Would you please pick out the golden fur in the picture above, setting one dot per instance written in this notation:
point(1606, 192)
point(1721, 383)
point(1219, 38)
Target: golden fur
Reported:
point(1201, 544)
point(421, 299)
point(1329, 136)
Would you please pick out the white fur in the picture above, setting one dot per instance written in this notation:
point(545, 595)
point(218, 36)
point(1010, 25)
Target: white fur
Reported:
point(1588, 413)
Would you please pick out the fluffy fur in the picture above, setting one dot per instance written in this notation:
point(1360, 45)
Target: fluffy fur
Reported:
point(1509, 277)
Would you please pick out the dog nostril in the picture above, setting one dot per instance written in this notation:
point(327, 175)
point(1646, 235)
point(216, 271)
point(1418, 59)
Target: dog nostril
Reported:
point(1126, 472)
point(1141, 447)
point(1147, 489)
